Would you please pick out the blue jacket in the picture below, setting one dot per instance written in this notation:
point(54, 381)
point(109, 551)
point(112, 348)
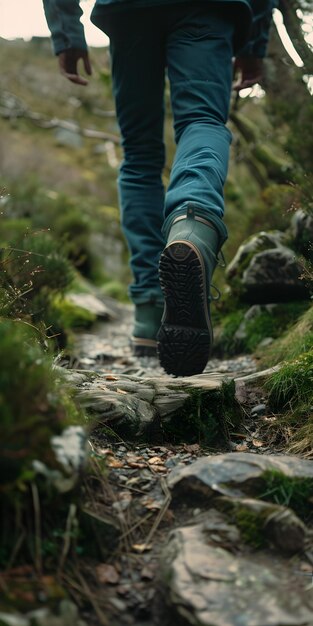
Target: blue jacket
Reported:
point(252, 27)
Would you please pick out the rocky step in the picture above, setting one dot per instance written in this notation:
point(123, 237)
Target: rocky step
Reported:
point(203, 408)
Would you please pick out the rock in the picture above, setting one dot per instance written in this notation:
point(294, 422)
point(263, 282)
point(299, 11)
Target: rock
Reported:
point(274, 275)
point(250, 247)
point(12, 619)
point(70, 454)
point(286, 531)
point(302, 233)
point(260, 522)
point(70, 137)
point(11, 106)
point(267, 341)
point(255, 311)
point(208, 586)
point(233, 474)
point(92, 304)
point(136, 407)
point(258, 410)
point(67, 615)
point(264, 270)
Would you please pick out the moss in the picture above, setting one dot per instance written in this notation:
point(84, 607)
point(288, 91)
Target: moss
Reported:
point(277, 203)
point(115, 289)
point(73, 228)
point(205, 417)
point(277, 168)
point(266, 323)
point(272, 323)
point(226, 343)
point(292, 492)
point(251, 527)
point(69, 315)
point(247, 251)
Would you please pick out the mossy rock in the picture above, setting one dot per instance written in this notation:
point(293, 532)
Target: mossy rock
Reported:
point(70, 316)
point(292, 491)
point(115, 289)
point(264, 270)
point(206, 417)
point(244, 330)
point(264, 523)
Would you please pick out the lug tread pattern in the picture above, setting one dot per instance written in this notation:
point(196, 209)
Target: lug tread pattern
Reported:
point(184, 339)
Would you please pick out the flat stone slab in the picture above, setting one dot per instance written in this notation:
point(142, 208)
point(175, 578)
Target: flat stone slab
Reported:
point(208, 586)
point(134, 404)
point(91, 303)
point(234, 474)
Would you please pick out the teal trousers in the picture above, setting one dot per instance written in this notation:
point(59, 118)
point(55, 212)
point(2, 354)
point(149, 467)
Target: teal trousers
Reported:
point(193, 43)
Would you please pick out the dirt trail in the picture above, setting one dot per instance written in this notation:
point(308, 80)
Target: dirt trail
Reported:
point(125, 394)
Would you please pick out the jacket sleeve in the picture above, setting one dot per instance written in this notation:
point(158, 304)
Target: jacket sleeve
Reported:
point(63, 19)
point(259, 35)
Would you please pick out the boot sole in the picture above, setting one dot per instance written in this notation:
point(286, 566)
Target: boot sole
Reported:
point(185, 337)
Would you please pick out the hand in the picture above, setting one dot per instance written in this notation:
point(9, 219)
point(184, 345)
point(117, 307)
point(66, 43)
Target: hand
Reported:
point(68, 60)
point(250, 70)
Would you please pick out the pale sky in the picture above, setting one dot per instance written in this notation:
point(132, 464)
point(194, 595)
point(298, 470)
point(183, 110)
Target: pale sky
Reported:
point(25, 18)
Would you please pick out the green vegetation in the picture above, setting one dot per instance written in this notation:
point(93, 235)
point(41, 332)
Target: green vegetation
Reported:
point(292, 385)
point(291, 396)
point(240, 332)
point(36, 407)
point(60, 231)
point(296, 340)
point(295, 493)
point(205, 418)
point(251, 526)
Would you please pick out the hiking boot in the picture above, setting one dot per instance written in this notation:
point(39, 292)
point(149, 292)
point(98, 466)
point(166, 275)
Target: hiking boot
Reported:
point(147, 323)
point(186, 267)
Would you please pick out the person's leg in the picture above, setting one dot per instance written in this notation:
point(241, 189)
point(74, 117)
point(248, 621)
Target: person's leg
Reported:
point(138, 64)
point(199, 58)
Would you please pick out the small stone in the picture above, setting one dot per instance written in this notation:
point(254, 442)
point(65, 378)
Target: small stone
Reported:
point(11, 619)
point(259, 410)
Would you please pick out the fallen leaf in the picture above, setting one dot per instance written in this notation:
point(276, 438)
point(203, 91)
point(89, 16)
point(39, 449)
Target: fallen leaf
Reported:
point(107, 573)
point(151, 504)
point(155, 460)
point(133, 458)
point(306, 567)
point(105, 451)
point(147, 573)
point(241, 447)
point(161, 469)
point(110, 377)
point(193, 447)
point(258, 443)
point(113, 462)
point(135, 461)
point(142, 547)
point(136, 465)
